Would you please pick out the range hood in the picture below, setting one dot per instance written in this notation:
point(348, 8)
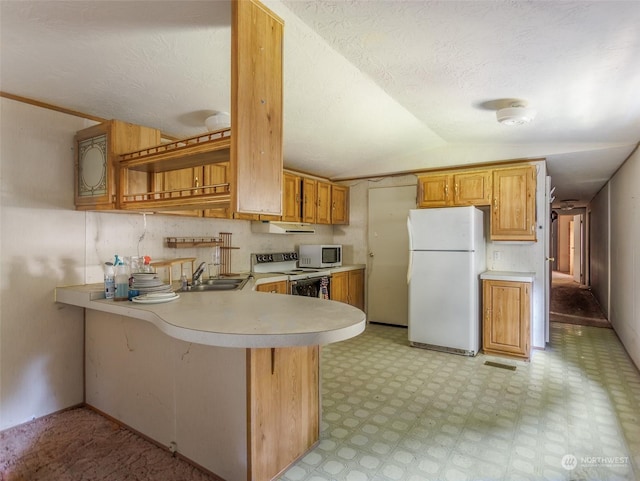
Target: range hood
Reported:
point(276, 227)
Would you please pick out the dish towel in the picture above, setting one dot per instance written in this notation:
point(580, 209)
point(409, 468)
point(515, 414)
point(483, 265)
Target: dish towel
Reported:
point(324, 288)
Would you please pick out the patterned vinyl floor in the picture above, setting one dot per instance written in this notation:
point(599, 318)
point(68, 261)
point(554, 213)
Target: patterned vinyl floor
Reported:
point(392, 412)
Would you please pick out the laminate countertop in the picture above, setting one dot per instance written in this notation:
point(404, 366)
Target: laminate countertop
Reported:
point(242, 318)
point(508, 276)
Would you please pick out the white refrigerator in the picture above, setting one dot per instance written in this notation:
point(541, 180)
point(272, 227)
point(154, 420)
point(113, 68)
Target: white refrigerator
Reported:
point(447, 254)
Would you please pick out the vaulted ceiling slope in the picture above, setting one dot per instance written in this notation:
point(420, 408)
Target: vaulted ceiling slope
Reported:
point(371, 86)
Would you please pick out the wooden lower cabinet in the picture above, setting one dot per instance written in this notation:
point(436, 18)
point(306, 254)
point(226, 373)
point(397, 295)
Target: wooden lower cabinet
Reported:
point(348, 287)
point(284, 407)
point(280, 287)
point(507, 317)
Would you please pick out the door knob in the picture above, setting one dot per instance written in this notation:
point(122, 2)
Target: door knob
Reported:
point(552, 259)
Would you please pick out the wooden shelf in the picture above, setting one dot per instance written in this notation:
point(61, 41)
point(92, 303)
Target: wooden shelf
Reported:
point(185, 242)
point(168, 264)
point(209, 148)
point(207, 196)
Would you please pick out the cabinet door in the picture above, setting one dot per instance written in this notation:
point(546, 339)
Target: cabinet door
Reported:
point(180, 183)
point(514, 204)
point(323, 211)
point(94, 183)
point(356, 288)
point(434, 190)
point(97, 151)
point(472, 188)
point(309, 193)
point(283, 407)
point(340, 287)
point(216, 174)
point(256, 109)
point(279, 287)
point(339, 204)
point(291, 207)
point(506, 308)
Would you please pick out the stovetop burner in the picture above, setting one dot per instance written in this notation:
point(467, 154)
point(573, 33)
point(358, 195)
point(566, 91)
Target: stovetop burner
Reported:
point(285, 263)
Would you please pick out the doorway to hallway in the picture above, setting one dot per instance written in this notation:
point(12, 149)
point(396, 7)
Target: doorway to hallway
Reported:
point(572, 303)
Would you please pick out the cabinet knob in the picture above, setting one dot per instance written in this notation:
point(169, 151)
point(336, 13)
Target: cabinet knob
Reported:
point(370, 254)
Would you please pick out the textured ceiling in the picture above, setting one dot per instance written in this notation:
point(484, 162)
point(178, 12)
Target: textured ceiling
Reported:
point(371, 87)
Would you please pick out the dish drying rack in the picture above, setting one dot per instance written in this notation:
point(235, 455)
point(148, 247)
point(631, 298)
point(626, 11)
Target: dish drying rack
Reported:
point(223, 241)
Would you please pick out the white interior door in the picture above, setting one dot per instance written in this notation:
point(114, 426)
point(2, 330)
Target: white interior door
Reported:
point(387, 299)
point(577, 248)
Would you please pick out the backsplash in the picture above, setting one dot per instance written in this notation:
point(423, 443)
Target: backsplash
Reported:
point(125, 234)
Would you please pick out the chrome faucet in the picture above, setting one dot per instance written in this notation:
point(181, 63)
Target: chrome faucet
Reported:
point(197, 274)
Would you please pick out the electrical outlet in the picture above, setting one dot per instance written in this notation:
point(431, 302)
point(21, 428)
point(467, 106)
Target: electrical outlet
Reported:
point(497, 255)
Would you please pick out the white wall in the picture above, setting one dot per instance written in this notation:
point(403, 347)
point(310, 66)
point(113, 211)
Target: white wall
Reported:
point(615, 252)
point(514, 256)
point(599, 259)
point(42, 246)
point(45, 243)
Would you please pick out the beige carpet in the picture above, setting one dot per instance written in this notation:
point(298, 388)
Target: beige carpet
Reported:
point(79, 445)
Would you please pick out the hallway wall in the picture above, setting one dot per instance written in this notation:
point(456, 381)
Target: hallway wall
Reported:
point(599, 235)
point(615, 252)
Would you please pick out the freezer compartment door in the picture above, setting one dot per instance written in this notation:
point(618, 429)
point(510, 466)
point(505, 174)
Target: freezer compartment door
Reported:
point(451, 229)
point(444, 301)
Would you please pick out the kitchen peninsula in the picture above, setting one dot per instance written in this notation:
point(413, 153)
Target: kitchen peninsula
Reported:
point(230, 380)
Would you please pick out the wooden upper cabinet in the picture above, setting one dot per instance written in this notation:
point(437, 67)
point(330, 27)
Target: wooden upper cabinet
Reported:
point(434, 190)
point(323, 203)
point(339, 204)
point(256, 109)
point(175, 182)
point(472, 188)
point(506, 321)
point(455, 189)
point(309, 202)
point(97, 151)
point(291, 197)
point(217, 174)
point(514, 204)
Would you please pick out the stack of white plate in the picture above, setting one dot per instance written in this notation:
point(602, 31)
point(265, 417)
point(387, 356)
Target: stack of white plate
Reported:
point(156, 298)
point(148, 282)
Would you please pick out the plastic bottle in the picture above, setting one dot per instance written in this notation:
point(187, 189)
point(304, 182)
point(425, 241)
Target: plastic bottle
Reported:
point(122, 283)
point(109, 281)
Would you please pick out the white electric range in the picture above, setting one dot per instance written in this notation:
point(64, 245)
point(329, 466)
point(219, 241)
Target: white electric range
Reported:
point(302, 281)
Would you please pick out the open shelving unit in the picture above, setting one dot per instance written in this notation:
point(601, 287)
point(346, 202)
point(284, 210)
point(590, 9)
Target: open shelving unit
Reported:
point(223, 241)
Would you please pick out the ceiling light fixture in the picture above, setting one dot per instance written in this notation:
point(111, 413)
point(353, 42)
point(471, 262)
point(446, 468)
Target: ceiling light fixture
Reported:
point(568, 204)
point(517, 114)
point(217, 121)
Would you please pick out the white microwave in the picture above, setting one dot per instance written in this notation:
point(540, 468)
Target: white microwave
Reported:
point(320, 255)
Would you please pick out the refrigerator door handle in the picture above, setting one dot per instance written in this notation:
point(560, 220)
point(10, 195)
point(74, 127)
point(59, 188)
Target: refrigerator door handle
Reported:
point(409, 268)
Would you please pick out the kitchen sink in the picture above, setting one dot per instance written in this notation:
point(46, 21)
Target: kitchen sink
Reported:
point(217, 285)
